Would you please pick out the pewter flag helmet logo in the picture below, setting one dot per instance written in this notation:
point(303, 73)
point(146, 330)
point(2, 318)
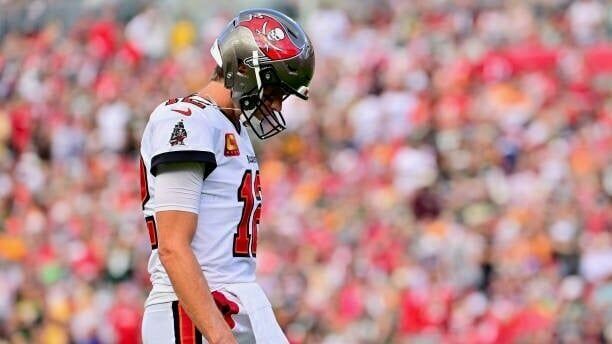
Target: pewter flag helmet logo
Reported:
point(270, 37)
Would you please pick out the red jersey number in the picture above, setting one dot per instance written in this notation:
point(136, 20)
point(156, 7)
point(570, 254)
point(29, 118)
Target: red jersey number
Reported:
point(189, 99)
point(145, 196)
point(245, 239)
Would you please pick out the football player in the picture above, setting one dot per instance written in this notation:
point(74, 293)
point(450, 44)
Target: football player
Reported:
point(201, 191)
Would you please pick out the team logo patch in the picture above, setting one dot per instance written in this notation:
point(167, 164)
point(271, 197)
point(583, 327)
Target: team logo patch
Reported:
point(231, 146)
point(179, 134)
point(271, 37)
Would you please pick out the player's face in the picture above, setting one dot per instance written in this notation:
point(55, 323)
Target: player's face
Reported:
point(273, 97)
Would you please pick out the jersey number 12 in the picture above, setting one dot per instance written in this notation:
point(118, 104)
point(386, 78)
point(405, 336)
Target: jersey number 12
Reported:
point(245, 239)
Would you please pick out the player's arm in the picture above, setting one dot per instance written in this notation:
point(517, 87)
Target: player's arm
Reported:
point(178, 186)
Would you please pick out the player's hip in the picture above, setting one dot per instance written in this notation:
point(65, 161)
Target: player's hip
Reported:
point(163, 292)
point(167, 323)
point(244, 306)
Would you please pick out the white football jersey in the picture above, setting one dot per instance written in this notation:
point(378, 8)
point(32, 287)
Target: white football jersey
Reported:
point(225, 241)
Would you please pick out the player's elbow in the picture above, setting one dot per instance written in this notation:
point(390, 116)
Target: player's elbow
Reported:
point(165, 252)
point(170, 253)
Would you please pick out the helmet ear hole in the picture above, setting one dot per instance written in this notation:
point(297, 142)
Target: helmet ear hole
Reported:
point(242, 68)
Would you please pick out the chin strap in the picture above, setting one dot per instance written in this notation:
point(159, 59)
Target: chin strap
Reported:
point(209, 100)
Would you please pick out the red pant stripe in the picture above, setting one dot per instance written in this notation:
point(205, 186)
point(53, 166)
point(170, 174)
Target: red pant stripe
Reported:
point(187, 327)
point(185, 331)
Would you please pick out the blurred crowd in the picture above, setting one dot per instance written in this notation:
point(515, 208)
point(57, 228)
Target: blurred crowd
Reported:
point(448, 182)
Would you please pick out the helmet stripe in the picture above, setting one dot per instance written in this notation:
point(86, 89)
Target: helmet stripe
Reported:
point(256, 65)
point(216, 53)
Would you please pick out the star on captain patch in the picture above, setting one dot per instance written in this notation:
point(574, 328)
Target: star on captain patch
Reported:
point(179, 134)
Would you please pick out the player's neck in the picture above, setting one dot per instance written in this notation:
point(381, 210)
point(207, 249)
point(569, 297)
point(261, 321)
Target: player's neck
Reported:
point(216, 92)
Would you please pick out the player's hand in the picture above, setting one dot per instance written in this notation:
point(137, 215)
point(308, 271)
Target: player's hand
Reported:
point(220, 333)
point(225, 338)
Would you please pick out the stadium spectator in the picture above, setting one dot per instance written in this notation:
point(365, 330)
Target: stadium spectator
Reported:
point(450, 181)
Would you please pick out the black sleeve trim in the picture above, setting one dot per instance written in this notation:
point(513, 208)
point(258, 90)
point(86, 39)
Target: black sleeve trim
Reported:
point(208, 158)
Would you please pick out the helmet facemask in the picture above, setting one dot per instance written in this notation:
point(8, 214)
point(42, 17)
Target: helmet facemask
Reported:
point(262, 118)
point(270, 121)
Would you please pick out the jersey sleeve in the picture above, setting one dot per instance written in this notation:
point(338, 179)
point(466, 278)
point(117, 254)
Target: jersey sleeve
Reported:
point(179, 187)
point(175, 137)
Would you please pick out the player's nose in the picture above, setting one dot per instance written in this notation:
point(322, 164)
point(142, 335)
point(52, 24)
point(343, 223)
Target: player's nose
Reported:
point(277, 104)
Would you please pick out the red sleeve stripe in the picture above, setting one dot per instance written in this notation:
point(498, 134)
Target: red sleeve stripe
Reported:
point(144, 184)
point(152, 228)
